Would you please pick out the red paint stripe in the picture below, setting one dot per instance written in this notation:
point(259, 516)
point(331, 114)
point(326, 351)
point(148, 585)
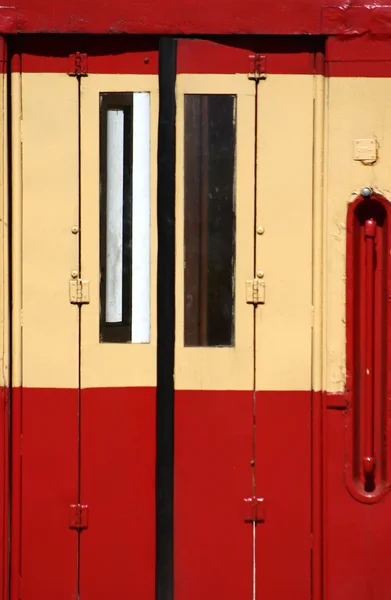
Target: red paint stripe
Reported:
point(283, 479)
point(111, 55)
point(4, 483)
point(232, 55)
point(50, 54)
point(358, 56)
point(118, 452)
point(364, 56)
point(44, 486)
point(16, 466)
point(190, 18)
point(317, 496)
point(213, 475)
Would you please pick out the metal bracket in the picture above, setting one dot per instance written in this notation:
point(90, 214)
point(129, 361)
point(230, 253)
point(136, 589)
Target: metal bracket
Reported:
point(254, 510)
point(255, 291)
point(77, 65)
point(257, 67)
point(78, 516)
point(79, 291)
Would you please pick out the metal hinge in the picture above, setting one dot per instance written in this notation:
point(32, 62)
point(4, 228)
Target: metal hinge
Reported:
point(257, 68)
point(254, 510)
point(77, 65)
point(79, 291)
point(78, 516)
point(255, 291)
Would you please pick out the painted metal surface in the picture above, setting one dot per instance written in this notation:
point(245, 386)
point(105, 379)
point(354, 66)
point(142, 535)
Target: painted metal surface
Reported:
point(305, 402)
point(290, 17)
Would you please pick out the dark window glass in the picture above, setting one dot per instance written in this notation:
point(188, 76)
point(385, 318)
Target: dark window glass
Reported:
point(125, 217)
point(209, 228)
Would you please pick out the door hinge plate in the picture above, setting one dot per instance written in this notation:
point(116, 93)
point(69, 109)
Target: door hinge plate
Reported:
point(79, 291)
point(255, 291)
point(78, 516)
point(254, 510)
point(77, 65)
point(257, 68)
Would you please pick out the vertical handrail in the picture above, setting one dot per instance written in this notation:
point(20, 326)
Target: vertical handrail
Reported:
point(369, 461)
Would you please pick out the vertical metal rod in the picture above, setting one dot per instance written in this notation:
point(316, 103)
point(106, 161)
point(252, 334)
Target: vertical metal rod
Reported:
point(369, 459)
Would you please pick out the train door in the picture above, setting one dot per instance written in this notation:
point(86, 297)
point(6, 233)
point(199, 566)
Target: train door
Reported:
point(242, 510)
point(84, 327)
point(119, 116)
point(84, 179)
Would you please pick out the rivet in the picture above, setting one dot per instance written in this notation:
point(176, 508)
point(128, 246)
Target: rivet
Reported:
point(366, 192)
point(260, 274)
point(75, 229)
point(252, 462)
point(260, 230)
point(74, 274)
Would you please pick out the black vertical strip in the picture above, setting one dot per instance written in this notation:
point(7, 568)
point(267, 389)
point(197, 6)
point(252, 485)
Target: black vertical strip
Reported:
point(127, 274)
point(165, 322)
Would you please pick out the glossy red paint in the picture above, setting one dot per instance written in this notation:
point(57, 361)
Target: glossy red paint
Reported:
point(358, 56)
point(365, 56)
point(368, 351)
point(188, 17)
point(117, 475)
point(232, 55)
point(213, 449)
point(357, 552)
point(106, 54)
point(317, 406)
point(139, 55)
point(45, 474)
point(4, 487)
point(15, 492)
point(117, 481)
point(213, 475)
point(283, 478)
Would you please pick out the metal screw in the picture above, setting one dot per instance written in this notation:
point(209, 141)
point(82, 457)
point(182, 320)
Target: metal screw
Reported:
point(366, 192)
point(260, 230)
point(252, 462)
point(74, 274)
point(260, 274)
point(75, 229)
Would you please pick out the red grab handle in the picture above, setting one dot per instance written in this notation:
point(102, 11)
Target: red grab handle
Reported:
point(369, 461)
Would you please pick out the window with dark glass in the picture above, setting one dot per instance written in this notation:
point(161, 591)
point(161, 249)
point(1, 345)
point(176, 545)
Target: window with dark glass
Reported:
point(209, 219)
point(125, 217)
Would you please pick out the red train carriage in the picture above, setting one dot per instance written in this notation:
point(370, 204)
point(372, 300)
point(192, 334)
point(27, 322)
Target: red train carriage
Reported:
point(195, 300)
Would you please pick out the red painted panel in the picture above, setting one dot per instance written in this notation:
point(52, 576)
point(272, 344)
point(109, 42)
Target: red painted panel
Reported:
point(231, 55)
point(368, 349)
point(49, 467)
point(4, 487)
point(50, 54)
point(357, 536)
point(189, 17)
point(283, 479)
point(358, 56)
point(213, 475)
point(118, 451)
point(107, 54)
point(15, 481)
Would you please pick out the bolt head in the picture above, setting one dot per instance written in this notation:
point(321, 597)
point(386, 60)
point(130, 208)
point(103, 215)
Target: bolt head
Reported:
point(366, 192)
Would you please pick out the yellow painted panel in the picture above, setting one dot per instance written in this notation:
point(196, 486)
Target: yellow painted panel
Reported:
point(284, 251)
point(106, 364)
point(358, 108)
point(220, 368)
point(49, 210)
